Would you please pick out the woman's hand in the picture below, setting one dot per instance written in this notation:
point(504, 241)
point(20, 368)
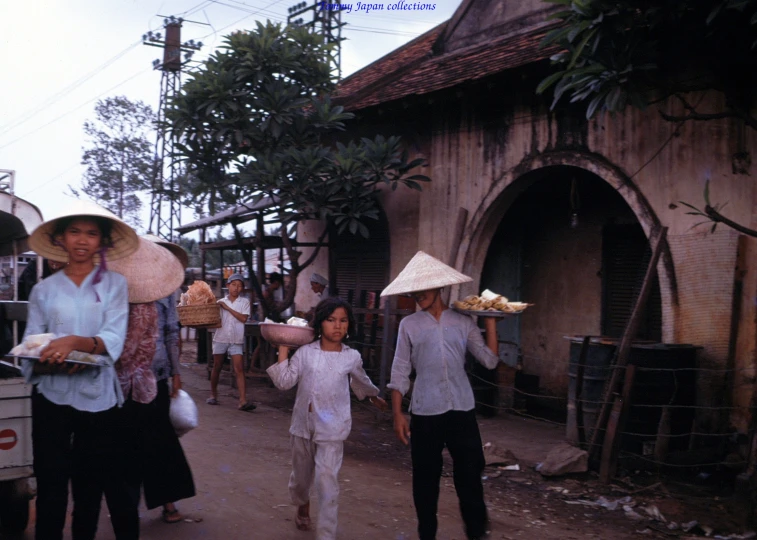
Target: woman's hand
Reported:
point(402, 428)
point(283, 353)
point(378, 402)
point(175, 385)
point(58, 350)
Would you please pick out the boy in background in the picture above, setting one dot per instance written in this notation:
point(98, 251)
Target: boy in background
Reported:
point(235, 310)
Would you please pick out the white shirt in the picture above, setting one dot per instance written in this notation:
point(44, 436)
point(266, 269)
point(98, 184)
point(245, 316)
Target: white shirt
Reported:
point(436, 350)
point(232, 330)
point(323, 380)
point(57, 305)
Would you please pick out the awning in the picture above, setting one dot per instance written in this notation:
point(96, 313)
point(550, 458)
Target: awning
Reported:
point(238, 214)
point(18, 218)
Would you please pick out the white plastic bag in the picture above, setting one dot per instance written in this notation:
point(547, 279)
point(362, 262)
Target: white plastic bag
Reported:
point(183, 413)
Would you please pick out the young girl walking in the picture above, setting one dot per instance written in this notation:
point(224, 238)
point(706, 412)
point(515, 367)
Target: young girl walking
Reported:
point(324, 371)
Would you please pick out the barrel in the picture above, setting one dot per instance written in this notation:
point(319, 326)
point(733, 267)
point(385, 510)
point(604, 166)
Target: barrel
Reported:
point(672, 384)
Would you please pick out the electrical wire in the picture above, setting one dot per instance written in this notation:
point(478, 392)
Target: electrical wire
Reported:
point(134, 76)
point(31, 113)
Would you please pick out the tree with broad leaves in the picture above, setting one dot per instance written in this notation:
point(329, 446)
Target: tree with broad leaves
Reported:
point(119, 157)
point(257, 121)
point(616, 53)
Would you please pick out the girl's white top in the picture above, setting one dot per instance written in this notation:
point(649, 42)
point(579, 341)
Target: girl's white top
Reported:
point(324, 380)
point(58, 306)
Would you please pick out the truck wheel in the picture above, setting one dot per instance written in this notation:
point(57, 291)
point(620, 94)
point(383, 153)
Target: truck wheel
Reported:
point(14, 515)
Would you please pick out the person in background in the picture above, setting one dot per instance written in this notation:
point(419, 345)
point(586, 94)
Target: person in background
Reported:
point(433, 342)
point(235, 310)
point(167, 475)
point(319, 285)
point(79, 432)
point(274, 296)
point(28, 277)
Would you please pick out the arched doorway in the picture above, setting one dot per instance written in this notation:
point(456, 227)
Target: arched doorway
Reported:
point(569, 243)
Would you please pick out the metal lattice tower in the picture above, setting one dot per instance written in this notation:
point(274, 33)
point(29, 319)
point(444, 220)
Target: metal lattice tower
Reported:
point(327, 23)
point(165, 207)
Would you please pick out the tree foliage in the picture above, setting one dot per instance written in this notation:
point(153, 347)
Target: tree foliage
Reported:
point(621, 52)
point(118, 158)
point(257, 120)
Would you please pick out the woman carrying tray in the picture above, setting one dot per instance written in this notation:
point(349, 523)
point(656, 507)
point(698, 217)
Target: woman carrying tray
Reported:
point(77, 427)
point(434, 341)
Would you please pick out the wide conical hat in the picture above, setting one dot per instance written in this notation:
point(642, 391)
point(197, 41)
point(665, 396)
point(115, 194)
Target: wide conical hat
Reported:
point(178, 251)
point(125, 240)
point(151, 272)
point(422, 273)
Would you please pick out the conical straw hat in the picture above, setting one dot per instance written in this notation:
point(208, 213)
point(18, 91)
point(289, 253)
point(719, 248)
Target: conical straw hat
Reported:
point(422, 273)
point(151, 272)
point(125, 241)
point(176, 249)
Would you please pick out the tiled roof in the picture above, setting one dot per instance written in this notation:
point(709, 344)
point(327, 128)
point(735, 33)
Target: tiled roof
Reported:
point(414, 70)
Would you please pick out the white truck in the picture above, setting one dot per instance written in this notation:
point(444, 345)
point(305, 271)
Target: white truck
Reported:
point(17, 486)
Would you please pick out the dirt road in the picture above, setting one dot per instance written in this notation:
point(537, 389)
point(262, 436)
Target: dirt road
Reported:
point(241, 465)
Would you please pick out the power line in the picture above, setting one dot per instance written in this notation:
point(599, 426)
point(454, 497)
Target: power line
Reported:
point(14, 141)
point(72, 167)
point(31, 113)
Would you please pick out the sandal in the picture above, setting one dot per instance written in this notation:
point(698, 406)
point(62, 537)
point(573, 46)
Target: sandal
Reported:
point(172, 516)
point(212, 401)
point(302, 522)
point(248, 407)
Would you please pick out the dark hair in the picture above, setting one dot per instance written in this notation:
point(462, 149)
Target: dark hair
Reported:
point(105, 226)
point(274, 277)
point(326, 307)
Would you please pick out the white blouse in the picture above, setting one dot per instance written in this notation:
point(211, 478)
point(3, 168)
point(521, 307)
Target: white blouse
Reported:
point(324, 379)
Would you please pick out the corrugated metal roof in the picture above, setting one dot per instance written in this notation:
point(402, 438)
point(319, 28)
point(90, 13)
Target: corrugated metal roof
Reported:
point(237, 214)
point(414, 70)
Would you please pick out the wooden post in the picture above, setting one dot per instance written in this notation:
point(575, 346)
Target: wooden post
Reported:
point(624, 348)
point(387, 339)
point(202, 255)
point(260, 251)
point(611, 445)
point(574, 428)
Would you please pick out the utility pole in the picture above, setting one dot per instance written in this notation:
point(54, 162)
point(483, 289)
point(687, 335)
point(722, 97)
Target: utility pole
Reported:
point(165, 207)
point(325, 22)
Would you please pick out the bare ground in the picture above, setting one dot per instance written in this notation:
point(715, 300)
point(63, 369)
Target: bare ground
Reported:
point(241, 465)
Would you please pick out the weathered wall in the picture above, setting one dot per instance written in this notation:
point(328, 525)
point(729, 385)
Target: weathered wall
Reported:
point(480, 141)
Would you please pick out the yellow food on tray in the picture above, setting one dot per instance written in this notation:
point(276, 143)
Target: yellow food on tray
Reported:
point(489, 301)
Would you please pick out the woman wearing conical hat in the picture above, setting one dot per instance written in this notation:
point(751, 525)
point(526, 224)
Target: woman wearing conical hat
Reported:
point(77, 425)
point(433, 342)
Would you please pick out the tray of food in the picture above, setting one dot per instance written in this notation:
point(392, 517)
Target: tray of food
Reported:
point(34, 344)
point(489, 304)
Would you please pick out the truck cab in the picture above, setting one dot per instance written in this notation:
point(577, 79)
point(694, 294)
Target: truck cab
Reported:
point(17, 486)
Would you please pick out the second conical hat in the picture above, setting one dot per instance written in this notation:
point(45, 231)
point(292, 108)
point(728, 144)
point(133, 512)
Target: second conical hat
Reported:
point(151, 272)
point(178, 251)
point(424, 272)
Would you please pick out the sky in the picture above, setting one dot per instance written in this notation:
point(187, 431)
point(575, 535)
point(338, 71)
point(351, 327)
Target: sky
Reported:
point(58, 57)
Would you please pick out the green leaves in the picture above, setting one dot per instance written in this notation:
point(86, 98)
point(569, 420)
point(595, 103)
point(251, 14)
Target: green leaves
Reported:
point(258, 121)
point(619, 52)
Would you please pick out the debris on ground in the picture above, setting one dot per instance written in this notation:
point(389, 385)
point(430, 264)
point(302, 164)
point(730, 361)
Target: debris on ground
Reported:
point(499, 456)
point(564, 459)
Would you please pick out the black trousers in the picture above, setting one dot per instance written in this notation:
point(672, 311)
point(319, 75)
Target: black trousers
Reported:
point(458, 431)
point(166, 476)
point(93, 451)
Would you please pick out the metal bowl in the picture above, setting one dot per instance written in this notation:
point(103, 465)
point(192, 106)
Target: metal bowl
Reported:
point(286, 334)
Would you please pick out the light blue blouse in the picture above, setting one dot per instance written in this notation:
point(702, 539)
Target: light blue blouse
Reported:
point(58, 306)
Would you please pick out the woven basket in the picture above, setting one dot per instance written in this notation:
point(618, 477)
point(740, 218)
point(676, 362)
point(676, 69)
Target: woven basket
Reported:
point(207, 315)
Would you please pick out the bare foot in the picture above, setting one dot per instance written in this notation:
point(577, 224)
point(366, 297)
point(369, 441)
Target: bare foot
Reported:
point(302, 517)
